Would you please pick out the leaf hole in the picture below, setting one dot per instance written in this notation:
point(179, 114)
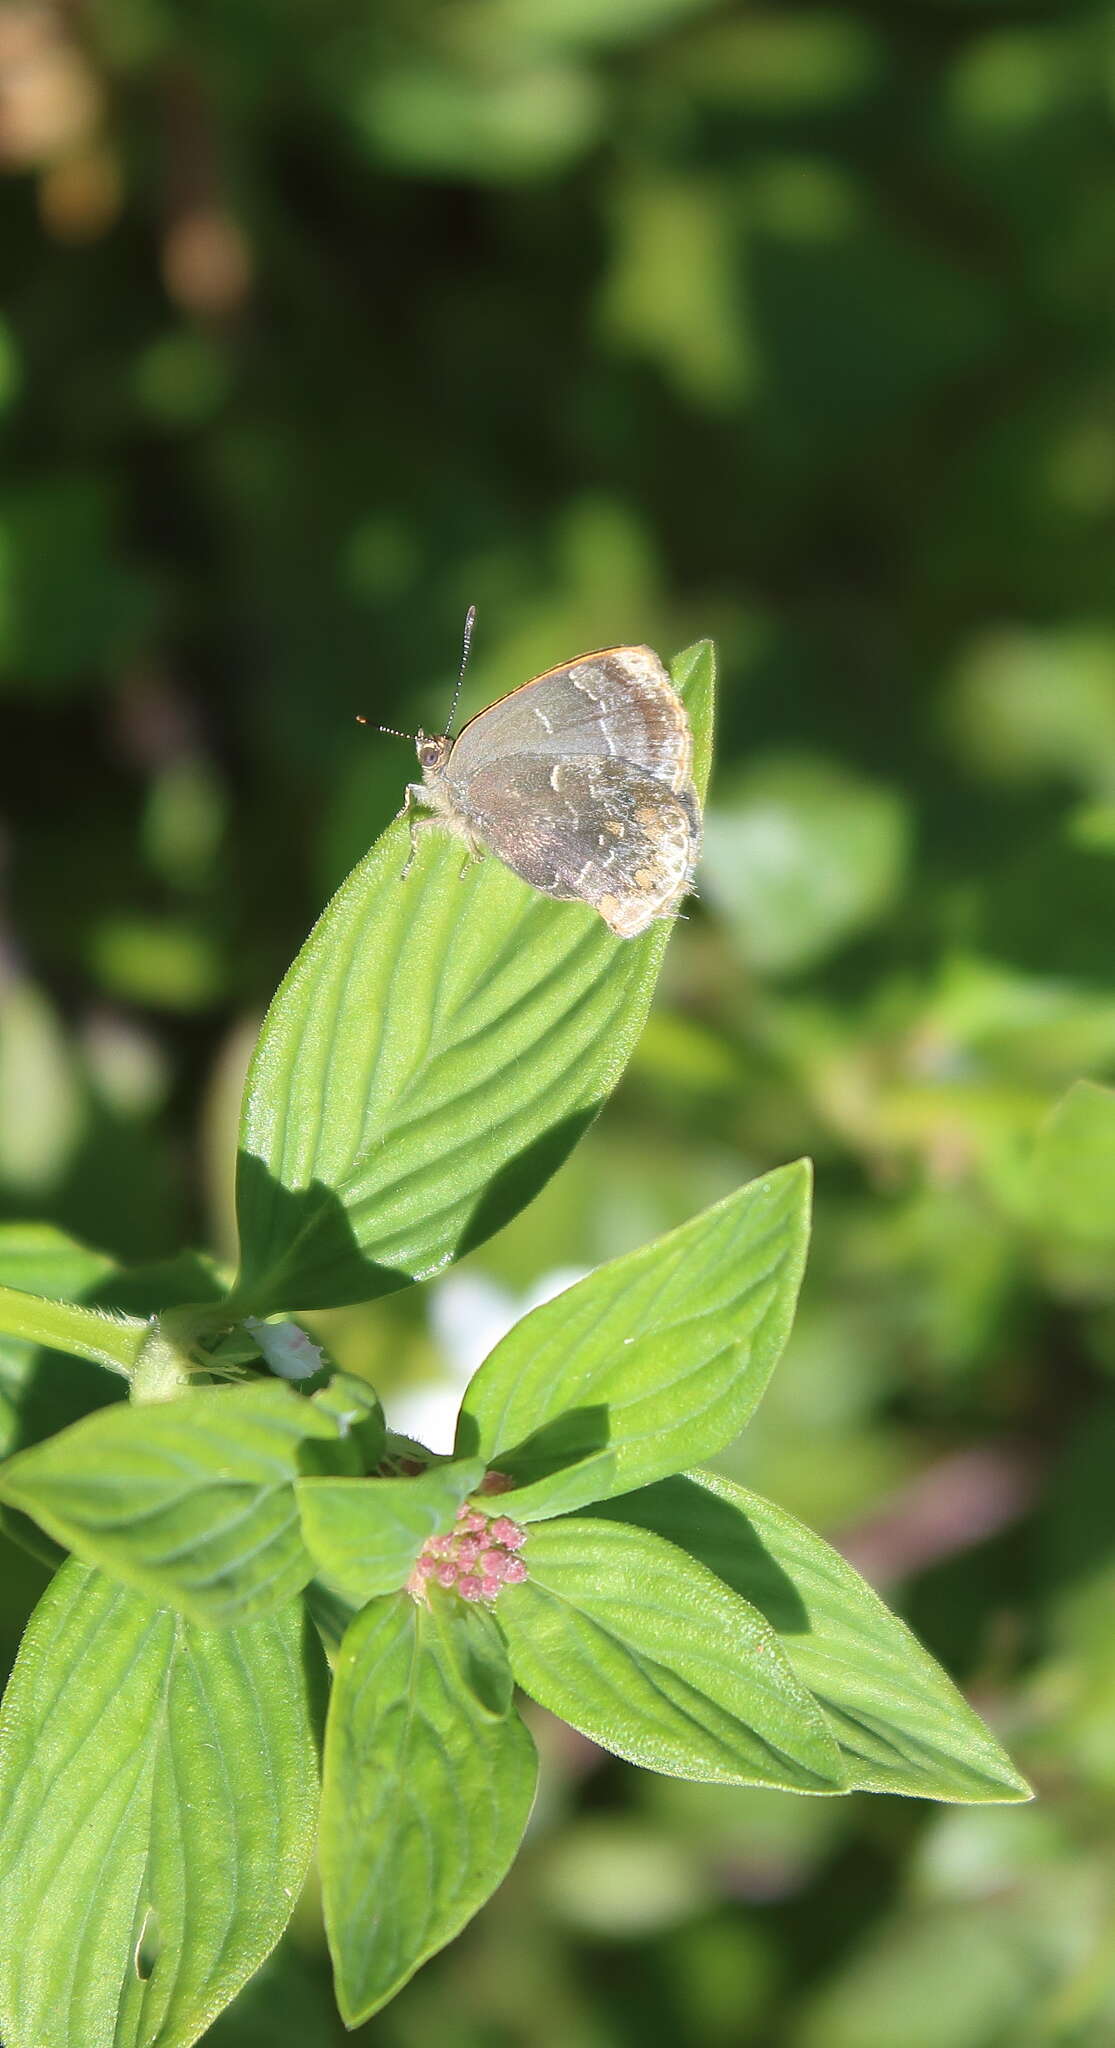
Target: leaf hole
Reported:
point(148, 1945)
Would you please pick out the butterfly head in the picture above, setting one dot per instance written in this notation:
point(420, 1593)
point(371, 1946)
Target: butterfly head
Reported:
point(433, 752)
point(434, 748)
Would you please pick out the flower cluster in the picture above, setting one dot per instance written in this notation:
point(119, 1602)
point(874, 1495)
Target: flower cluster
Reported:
point(477, 1556)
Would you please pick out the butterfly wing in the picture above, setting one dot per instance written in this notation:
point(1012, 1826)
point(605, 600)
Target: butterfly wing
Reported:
point(591, 830)
point(619, 705)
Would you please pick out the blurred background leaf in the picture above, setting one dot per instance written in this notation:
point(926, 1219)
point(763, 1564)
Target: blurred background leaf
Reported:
point(798, 855)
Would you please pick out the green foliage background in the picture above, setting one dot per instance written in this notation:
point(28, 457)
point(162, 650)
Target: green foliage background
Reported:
point(624, 319)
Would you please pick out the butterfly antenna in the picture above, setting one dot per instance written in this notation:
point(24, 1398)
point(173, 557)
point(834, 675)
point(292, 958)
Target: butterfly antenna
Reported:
point(466, 649)
point(392, 729)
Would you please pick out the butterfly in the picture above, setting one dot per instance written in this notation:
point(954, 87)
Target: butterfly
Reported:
point(579, 781)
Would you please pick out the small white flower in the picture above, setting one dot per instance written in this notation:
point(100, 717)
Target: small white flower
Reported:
point(287, 1349)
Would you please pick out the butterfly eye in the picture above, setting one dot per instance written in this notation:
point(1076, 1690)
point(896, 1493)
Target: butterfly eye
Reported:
point(430, 754)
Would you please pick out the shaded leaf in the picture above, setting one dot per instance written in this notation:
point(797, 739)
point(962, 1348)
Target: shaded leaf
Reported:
point(429, 1777)
point(361, 1425)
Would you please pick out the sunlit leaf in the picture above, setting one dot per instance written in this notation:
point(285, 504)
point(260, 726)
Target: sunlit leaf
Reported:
point(364, 1534)
point(191, 1500)
point(158, 1786)
point(656, 1359)
point(901, 1724)
point(436, 1049)
point(652, 1656)
point(41, 1390)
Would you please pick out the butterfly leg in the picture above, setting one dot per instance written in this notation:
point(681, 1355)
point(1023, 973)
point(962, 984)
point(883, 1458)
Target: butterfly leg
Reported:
point(407, 811)
point(474, 853)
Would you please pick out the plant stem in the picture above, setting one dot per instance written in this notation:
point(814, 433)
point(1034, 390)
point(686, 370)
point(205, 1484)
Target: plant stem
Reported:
point(109, 1340)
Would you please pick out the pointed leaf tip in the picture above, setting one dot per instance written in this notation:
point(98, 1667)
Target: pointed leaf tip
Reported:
point(652, 1361)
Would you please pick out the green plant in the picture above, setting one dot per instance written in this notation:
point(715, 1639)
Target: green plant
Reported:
point(431, 1057)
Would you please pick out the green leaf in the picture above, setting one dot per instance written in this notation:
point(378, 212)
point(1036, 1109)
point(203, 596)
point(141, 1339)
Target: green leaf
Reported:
point(658, 1358)
point(434, 1052)
point(429, 1777)
point(562, 1487)
point(652, 1656)
point(1074, 1168)
point(157, 1797)
point(190, 1500)
point(41, 1390)
point(355, 1408)
point(900, 1722)
point(42, 1260)
point(364, 1534)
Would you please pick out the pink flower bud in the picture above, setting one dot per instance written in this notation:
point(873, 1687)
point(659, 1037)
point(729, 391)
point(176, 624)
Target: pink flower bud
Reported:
point(447, 1574)
point(470, 1587)
point(514, 1571)
point(489, 1588)
point(504, 1530)
point(492, 1562)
